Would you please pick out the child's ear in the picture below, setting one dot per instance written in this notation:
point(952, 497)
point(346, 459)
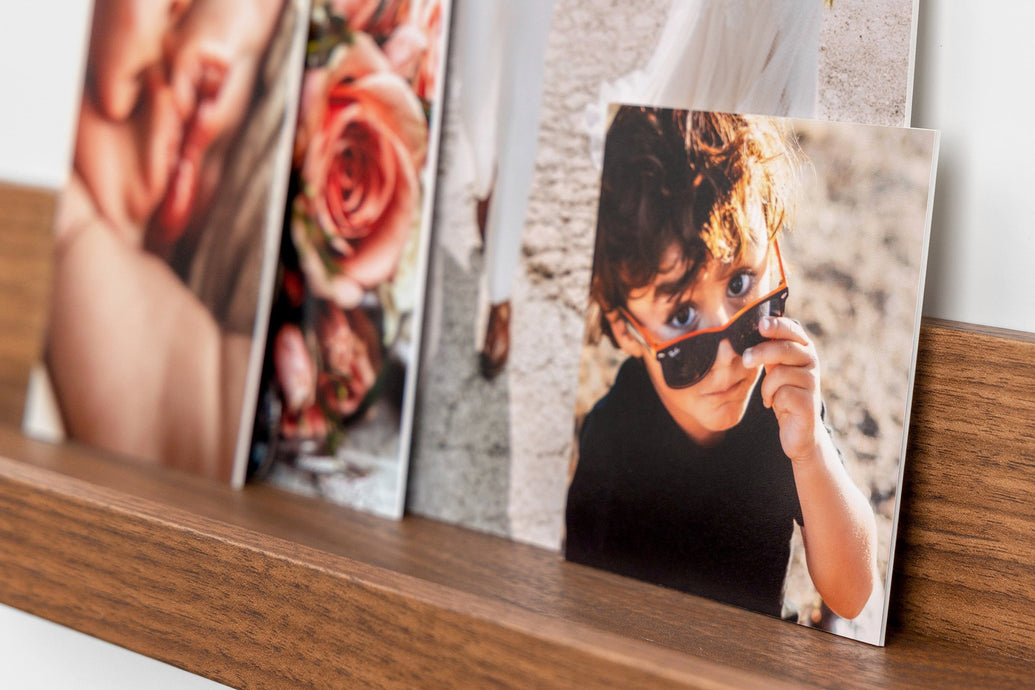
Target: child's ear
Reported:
point(620, 328)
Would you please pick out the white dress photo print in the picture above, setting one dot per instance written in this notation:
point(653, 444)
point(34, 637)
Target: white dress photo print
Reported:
point(523, 126)
point(525, 115)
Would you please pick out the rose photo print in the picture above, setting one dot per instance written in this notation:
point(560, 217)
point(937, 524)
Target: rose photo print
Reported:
point(336, 399)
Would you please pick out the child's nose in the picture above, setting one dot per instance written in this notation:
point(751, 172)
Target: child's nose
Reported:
point(725, 355)
point(718, 316)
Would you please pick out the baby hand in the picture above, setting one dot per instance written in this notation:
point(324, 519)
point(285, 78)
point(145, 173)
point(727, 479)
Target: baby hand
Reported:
point(791, 385)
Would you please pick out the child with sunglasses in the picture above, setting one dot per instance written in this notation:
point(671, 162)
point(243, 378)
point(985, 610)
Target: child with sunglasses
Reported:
point(711, 442)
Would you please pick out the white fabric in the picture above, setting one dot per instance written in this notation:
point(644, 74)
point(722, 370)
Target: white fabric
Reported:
point(501, 52)
point(752, 56)
point(744, 56)
point(480, 30)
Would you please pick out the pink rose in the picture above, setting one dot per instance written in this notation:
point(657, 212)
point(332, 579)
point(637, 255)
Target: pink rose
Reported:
point(413, 47)
point(428, 17)
point(362, 140)
point(405, 50)
point(350, 358)
point(296, 373)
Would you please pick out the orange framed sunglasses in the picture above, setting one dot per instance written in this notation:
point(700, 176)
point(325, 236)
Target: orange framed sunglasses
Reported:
point(686, 359)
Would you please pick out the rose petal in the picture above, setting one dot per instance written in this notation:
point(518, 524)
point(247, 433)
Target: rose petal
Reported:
point(378, 254)
point(343, 290)
point(375, 175)
point(337, 341)
point(400, 110)
point(405, 49)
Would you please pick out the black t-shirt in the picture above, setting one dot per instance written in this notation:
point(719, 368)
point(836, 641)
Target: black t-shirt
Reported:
point(648, 502)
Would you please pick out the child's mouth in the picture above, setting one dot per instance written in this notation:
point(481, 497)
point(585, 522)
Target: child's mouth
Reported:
point(727, 390)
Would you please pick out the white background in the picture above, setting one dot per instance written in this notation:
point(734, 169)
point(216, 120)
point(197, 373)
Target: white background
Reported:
point(973, 71)
point(974, 68)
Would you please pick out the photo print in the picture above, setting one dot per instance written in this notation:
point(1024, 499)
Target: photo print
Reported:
point(518, 189)
point(336, 402)
point(745, 384)
point(166, 234)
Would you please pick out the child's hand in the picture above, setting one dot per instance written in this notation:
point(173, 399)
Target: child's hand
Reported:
point(791, 385)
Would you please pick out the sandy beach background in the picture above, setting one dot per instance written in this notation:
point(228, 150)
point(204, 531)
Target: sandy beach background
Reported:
point(495, 455)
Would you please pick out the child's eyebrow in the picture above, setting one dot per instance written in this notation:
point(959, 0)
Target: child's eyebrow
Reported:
point(728, 269)
point(671, 289)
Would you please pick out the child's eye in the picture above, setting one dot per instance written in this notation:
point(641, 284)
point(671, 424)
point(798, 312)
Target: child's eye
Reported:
point(682, 317)
point(740, 284)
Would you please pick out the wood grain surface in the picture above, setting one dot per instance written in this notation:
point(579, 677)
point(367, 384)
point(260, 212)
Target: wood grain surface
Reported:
point(965, 563)
point(260, 588)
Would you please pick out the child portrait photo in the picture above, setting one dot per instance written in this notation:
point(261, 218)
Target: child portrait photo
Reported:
point(724, 431)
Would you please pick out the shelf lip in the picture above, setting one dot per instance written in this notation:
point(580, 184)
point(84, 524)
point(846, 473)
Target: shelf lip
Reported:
point(236, 587)
point(326, 590)
point(980, 329)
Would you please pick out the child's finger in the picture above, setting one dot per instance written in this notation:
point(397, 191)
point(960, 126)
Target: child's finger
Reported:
point(782, 328)
point(798, 378)
point(776, 352)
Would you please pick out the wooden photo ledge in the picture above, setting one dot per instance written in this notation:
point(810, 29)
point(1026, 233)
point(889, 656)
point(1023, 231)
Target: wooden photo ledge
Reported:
point(263, 588)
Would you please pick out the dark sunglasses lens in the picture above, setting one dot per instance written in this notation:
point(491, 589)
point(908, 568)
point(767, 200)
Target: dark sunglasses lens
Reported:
point(686, 362)
point(743, 333)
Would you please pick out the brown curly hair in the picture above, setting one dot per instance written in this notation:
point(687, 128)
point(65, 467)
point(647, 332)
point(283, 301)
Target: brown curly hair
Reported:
point(693, 179)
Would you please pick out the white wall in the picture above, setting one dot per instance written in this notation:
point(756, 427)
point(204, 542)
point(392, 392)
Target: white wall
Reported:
point(974, 66)
point(41, 49)
point(36, 654)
